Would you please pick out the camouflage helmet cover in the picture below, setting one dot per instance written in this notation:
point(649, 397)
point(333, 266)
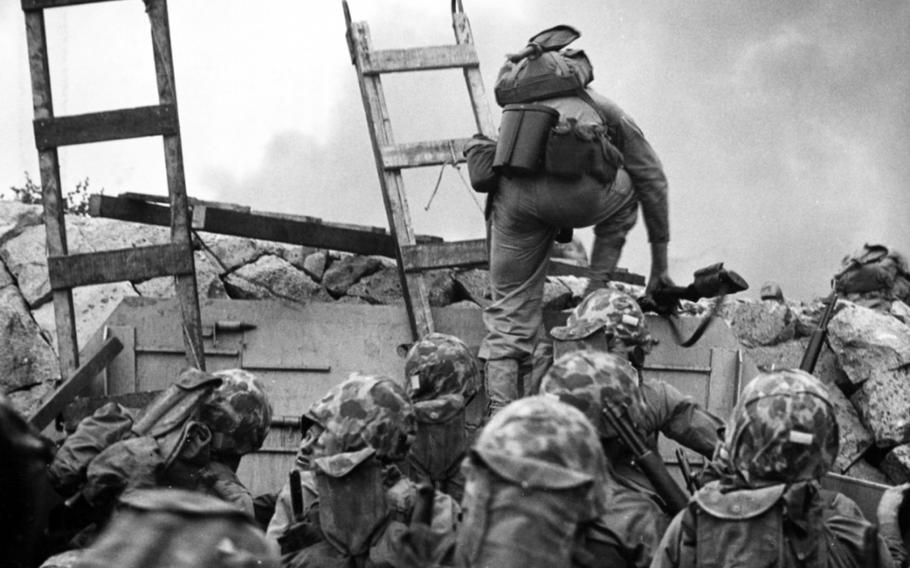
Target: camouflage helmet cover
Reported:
point(783, 429)
point(238, 413)
point(367, 415)
point(615, 312)
point(584, 378)
point(440, 364)
point(174, 528)
point(540, 442)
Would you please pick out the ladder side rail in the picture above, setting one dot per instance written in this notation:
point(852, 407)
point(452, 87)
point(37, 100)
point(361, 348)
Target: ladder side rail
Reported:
point(482, 116)
point(185, 284)
point(413, 285)
point(51, 195)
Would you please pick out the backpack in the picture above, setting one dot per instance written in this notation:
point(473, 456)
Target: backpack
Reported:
point(162, 419)
point(550, 74)
point(874, 269)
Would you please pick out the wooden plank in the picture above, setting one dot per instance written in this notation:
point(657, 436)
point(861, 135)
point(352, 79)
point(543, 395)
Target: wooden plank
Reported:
point(292, 229)
point(136, 122)
point(129, 210)
point(318, 235)
point(418, 258)
point(422, 154)
point(176, 182)
point(30, 5)
point(76, 383)
point(419, 59)
point(191, 200)
point(51, 196)
point(140, 263)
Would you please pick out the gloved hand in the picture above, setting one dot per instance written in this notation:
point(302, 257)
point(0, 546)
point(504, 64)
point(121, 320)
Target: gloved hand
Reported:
point(301, 534)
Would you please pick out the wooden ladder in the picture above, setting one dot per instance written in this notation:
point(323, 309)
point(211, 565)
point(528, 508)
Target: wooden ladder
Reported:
point(67, 271)
point(415, 258)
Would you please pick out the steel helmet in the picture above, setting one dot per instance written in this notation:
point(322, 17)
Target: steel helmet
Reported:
point(783, 429)
point(366, 412)
point(614, 312)
point(583, 378)
point(440, 364)
point(239, 413)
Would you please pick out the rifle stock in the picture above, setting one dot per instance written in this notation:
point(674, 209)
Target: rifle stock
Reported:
point(649, 461)
point(817, 340)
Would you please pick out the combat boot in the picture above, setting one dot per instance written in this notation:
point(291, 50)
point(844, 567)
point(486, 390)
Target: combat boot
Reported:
point(501, 381)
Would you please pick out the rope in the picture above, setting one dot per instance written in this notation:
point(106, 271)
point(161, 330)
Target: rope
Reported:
point(457, 167)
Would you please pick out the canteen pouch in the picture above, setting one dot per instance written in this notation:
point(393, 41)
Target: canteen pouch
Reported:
point(523, 134)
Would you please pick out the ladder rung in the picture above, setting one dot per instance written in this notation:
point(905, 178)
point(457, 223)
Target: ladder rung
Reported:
point(420, 59)
point(426, 153)
point(28, 5)
point(139, 263)
point(157, 120)
point(419, 258)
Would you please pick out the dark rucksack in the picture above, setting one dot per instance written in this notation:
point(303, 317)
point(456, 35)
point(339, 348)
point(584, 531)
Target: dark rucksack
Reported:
point(874, 269)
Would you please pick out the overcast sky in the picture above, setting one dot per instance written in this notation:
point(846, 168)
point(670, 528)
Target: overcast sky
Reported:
point(784, 126)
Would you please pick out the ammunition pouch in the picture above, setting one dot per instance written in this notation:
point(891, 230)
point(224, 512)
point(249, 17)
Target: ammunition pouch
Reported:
point(523, 134)
point(576, 149)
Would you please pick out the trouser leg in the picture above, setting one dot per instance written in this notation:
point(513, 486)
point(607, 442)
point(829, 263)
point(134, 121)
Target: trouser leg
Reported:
point(501, 377)
point(610, 233)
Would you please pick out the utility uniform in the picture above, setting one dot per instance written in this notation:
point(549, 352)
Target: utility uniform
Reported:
point(535, 477)
point(356, 498)
point(527, 212)
point(630, 530)
point(769, 511)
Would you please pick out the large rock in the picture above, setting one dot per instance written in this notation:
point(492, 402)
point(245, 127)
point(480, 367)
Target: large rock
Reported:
point(442, 288)
point(342, 274)
point(868, 342)
point(25, 255)
point(16, 217)
point(556, 295)
point(208, 281)
point(315, 264)
point(855, 438)
point(92, 306)
point(271, 277)
point(28, 401)
point(896, 464)
point(383, 287)
point(474, 285)
point(26, 358)
point(764, 322)
point(883, 402)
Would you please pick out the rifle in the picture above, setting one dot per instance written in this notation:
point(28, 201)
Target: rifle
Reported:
point(817, 340)
point(686, 469)
point(649, 461)
point(296, 495)
point(422, 514)
point(708, 282)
